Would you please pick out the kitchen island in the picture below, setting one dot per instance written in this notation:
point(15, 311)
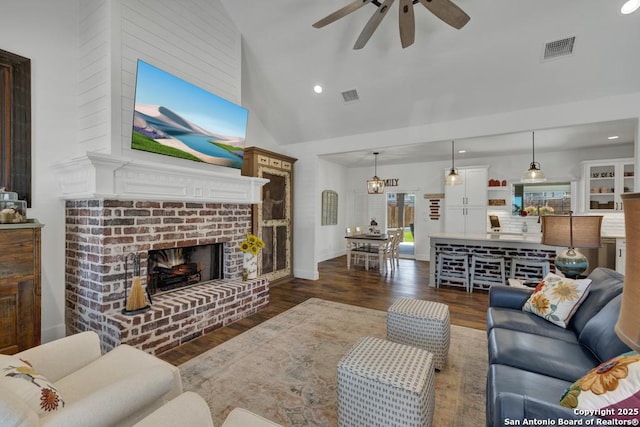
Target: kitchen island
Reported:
point(505, 245)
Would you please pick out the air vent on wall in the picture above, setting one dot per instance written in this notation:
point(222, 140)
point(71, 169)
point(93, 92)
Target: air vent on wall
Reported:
point(558, 48)
point(350, 96)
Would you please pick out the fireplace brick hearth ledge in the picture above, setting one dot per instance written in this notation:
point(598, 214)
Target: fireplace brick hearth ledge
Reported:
point(180, 316)
point(115, 207)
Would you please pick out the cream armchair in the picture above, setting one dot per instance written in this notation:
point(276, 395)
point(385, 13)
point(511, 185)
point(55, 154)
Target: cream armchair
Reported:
point(118, 388)
point(189, 409)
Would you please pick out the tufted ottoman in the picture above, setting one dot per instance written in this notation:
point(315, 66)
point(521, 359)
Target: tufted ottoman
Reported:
point(385, 384)
point(423, 324)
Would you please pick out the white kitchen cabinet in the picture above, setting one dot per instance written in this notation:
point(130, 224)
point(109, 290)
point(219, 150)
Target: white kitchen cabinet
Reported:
point(605, 182)
point(621, 253)
point(466, 204)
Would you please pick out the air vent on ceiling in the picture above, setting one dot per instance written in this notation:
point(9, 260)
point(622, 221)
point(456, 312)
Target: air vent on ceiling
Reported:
point(350, 96)
point(558, 48)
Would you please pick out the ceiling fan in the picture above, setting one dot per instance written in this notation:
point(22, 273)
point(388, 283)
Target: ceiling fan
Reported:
point(443, 9)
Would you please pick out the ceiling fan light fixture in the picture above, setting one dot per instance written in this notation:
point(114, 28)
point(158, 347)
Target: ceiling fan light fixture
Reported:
point(534, 173)
point(375, 185)
point(453, 178)
point(446, 10)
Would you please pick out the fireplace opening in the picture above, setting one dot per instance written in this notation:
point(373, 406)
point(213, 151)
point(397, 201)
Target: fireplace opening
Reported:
point(176, 268)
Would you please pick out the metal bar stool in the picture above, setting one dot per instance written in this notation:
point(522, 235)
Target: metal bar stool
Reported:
point(529, 269)
point(487, 271)
point(457, 269)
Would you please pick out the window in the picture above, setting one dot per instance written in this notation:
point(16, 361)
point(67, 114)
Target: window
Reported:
point(541, 199)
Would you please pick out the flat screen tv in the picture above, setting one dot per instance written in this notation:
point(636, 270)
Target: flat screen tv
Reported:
point(176, 118)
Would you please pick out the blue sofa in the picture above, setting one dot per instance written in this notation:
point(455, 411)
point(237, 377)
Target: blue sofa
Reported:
point(532, 361)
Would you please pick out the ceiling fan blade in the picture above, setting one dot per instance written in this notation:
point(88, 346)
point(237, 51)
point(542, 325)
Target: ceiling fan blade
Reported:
point(407, 23)
point(373, 23)
point(351, 7)
point(448, 12)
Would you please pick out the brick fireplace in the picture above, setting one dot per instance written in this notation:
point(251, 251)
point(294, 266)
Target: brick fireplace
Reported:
point(150, 207)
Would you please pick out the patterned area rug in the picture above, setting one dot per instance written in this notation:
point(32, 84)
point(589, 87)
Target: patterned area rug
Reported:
point(285, 368)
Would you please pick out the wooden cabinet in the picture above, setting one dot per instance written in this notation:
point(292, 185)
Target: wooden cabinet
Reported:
point(273, 218)
point(605, 181)
point(466, 204)
point(19, 286)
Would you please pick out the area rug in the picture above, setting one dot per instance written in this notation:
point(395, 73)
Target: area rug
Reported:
point(285, 368)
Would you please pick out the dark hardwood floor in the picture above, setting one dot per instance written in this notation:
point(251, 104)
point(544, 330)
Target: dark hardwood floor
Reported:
point(356, 287)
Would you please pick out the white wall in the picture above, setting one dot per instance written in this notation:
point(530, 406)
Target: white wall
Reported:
point(47, 33)
point(330, 242)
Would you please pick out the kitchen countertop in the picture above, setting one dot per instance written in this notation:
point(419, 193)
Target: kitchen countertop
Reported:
point(491, 237)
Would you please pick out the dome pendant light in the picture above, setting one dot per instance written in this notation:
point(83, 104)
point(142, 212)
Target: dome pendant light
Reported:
point(534, 173)
point(375, 185)
point(453, 178)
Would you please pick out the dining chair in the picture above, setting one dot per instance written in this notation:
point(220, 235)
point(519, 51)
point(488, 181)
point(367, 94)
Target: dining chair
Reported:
point(373, 256)
point(396, 245)
point(356, 253)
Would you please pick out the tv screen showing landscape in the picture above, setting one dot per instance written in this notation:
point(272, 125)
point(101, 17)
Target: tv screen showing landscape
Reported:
point(176, 118)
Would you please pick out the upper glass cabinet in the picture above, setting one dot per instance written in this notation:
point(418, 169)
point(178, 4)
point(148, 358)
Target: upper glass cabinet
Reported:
point(605, 181)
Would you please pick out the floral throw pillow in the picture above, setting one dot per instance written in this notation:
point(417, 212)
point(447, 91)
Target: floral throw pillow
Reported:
point(557, 298)
point(18, 376)
point(611, 390)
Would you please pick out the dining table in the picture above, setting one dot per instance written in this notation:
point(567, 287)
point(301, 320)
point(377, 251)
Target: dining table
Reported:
point(368, 244)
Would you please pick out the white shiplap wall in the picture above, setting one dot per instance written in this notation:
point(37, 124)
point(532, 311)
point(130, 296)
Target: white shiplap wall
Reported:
point(191, 39)
point(94, 89)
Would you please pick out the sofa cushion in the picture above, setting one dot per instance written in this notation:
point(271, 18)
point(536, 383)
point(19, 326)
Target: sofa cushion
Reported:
point(518, 320)
point(547, 356)
point(611, 390)
point(599, 334)
point(507, 379)
point(605, 285)
point(19, 377)
point(557, 298)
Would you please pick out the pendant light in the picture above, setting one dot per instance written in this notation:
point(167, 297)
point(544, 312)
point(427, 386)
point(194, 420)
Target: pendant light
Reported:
point(534, 173)
point(375, 185)
point(453, 178)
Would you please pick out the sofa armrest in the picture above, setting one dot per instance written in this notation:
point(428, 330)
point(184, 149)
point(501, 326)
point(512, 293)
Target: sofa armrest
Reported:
point(188, 409)
point(516, 407)
point(59, 358)
point(508, 297)
point(116, 403)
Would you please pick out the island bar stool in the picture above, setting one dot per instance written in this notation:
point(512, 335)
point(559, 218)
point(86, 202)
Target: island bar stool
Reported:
point(487, 271)
point(528, 269)
point(455, 270)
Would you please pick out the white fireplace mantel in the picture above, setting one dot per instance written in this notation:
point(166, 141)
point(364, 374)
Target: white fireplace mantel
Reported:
point(101, 176)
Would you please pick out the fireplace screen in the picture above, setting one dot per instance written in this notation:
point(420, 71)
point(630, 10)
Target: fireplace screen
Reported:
point(175, 268)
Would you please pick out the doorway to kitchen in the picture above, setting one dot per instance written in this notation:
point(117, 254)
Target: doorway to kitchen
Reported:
point(401, 214)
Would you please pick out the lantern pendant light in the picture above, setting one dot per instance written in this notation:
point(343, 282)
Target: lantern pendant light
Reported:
point(375, 185)
point(453, 178)
point(534, 173)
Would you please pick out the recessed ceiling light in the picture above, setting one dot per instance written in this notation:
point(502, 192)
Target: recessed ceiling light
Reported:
point(630, 6)
point(462, 151)
point(317, 89)
point(613, 137)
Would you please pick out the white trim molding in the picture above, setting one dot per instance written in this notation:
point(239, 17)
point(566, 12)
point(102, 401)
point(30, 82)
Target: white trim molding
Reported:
point(97, 175)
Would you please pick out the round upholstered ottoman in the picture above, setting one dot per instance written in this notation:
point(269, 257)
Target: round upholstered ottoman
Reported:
point(423, 324)
point(385, 384)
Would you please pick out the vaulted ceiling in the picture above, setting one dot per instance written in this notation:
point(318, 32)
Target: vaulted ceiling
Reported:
point(492, 65)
